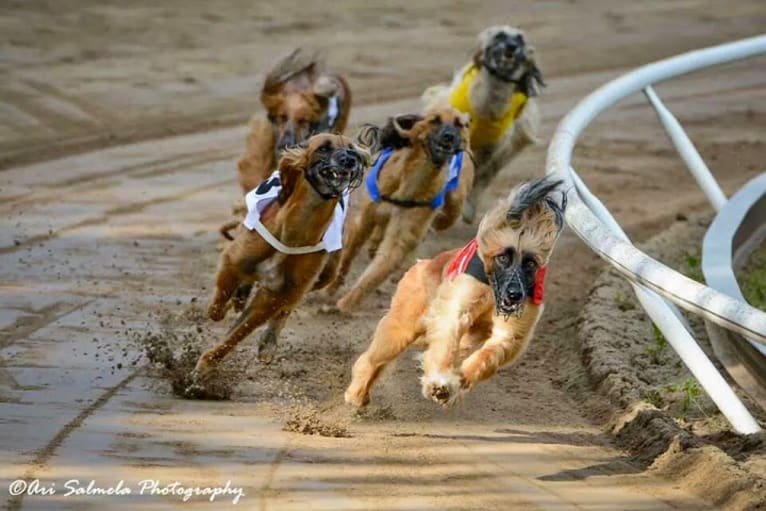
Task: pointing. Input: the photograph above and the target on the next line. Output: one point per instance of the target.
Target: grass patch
(658, 350)
(752, 279)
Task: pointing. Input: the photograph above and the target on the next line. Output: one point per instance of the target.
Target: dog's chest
(270, 272)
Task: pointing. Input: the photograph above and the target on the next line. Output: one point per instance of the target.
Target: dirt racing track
(106, 249)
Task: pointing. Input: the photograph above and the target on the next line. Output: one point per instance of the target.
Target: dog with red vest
(472, 309)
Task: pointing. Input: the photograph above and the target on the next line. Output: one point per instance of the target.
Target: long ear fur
(536, 193)
(531, 82)
(291, 166)
(368, 141)
(292, 64)
(393, 134)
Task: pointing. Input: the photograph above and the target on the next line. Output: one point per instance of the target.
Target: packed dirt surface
(634, 365)
(105, 252)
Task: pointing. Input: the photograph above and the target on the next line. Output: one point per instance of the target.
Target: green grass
(660, 347)
(752, 279)
(694, 267)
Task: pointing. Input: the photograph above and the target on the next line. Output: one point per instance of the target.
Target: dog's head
(516, 239)
(296, 111)
(296, 94)
(503, 51)
(441, 132)
(329, 163)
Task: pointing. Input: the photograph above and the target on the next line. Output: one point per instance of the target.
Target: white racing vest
(258, 199)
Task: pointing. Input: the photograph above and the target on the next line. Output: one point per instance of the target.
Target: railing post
(688, 152)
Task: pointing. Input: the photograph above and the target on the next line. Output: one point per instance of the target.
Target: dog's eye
(324, 148)
(503, 259)
(530, 262)
(436, 120)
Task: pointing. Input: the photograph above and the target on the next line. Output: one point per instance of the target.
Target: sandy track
(101, 247)
(120, 235)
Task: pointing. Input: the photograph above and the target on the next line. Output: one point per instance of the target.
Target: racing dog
(294, 230)
(421, 178)
(497, 89)
(301, 99)
(473, 309)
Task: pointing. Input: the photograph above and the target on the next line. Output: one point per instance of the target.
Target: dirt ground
(105, 248)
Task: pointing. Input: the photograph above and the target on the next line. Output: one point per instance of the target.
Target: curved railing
(734, 233)
(657, 286)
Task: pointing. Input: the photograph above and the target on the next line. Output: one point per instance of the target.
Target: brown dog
(287, 253)
(421, 179)
(475, 309)
(301, 99)
(497, 89)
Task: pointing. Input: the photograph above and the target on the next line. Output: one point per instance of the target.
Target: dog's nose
(514, 296)
(347, 161)
(449, 137)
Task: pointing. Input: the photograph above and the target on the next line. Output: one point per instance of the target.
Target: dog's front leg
(395, 332)
(267, 341)
(505, 345)
(450, 315)
(226, 281)
(402, 236)
(329, 271)
(455, 200)
(261, 308)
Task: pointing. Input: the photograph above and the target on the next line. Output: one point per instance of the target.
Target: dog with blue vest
(497, 88)
(290, 241)
(472, 309)
(420, 180)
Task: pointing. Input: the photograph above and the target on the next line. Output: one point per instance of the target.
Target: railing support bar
(688, 152)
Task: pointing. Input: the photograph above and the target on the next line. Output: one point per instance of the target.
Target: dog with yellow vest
(497, 88)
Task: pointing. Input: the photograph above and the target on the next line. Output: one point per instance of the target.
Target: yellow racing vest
(484, 131)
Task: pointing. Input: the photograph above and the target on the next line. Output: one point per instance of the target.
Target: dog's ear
(324, 88)
(395, 133)
(531, 82)
(294, 160)
(535, 197)
(368, 141)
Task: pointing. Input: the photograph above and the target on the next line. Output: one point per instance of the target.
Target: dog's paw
(215, 312)
(266, 346)
(346, 304)
(444, 388)
(357, 399)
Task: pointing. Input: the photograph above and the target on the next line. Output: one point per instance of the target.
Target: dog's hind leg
(403, 234)
(396, 331)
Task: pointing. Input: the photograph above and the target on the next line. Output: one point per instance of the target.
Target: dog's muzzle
(332, 176)
(510, 292)
(504, 56)
(443, 144)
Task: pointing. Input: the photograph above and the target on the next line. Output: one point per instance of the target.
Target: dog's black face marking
(508, 58)
(442, 142)
(505, 55)
(333, 170)
(512, 278)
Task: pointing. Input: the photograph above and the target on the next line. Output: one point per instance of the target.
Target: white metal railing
(658, 287)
